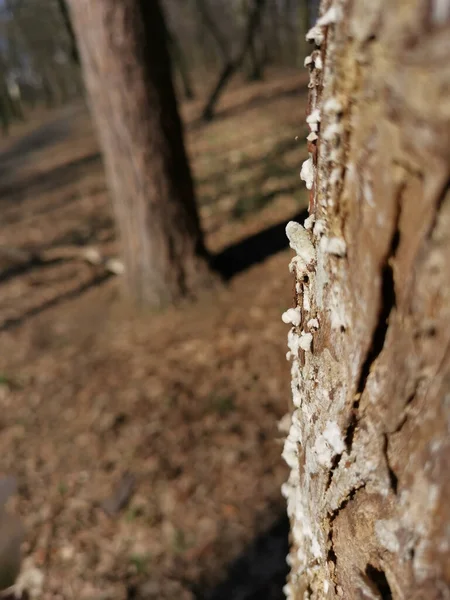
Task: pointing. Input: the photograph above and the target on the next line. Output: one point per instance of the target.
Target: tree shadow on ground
(45, 135)
(15, 192)
(254, 249)
(260, 571)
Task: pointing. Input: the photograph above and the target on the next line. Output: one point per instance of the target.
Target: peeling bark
(369, 441)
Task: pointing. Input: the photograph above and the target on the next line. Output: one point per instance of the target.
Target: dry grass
(187, 401)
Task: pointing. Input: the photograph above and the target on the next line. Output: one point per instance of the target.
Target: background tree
(369, 444)
(127, 71)
(208, 43)
(234, 64)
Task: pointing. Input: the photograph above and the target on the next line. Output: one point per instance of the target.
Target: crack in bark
(331, 555)
(380, 581)
(388, 302)
(439, 205)
(393, 479)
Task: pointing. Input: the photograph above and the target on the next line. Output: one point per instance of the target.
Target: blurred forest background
(145, 443)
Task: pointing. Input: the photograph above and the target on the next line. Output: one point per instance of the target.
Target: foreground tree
(127, 71)
(369, 443)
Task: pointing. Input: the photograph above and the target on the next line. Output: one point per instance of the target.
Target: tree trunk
(127, 71)
(304, 14)
(208, 21)
(180, 64)
(62, 5)
(369, 446)
(231, 67)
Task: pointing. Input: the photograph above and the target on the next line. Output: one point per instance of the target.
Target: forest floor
(146, 447)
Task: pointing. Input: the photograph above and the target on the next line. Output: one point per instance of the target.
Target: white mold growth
(329, 443)
(300, 269)
(319, 228)
(313, 120)
(335, 176)
(333, 15)
(333, 106)
(332, 132)
(315, 59)
(292, 316)
(335, 246)
(305, 341)
(306, 300)
(386, 532)
(313, 324)
(316, 34)
(309, 222)
(339, 320)
(307, 173)
(300, 241)
(284, 424)
(290, 450)
(312, 137)
(293, 342)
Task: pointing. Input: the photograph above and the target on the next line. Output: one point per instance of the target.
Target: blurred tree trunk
(127, 71)
(179, 61)
(233, 65)
(255, 62)
(304, 10)
(209, 23)
(369, 443)
(74, 55)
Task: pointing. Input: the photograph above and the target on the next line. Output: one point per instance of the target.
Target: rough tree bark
(127, 71)
(369, 445)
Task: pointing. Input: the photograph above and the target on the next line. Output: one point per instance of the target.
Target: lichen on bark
(368, 443)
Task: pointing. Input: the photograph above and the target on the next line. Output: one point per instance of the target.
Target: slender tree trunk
(180, 63)
(126, 64)
(231, 67)
(214, 30)
(62, 4)
(304, 13)
(369, 445)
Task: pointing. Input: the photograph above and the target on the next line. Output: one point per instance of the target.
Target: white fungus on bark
(333, 106)
(307, 173)
(333, 15)
(319, 228)
(329, 443)
(305, 341)
(309, 222)
(335, 246)
(313, 324)
(292, 316)
(316, 34)
(300, 241)
(332, 132)
(386, 532)
(313, 120)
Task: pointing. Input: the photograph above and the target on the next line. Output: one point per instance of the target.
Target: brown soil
(185, 402)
